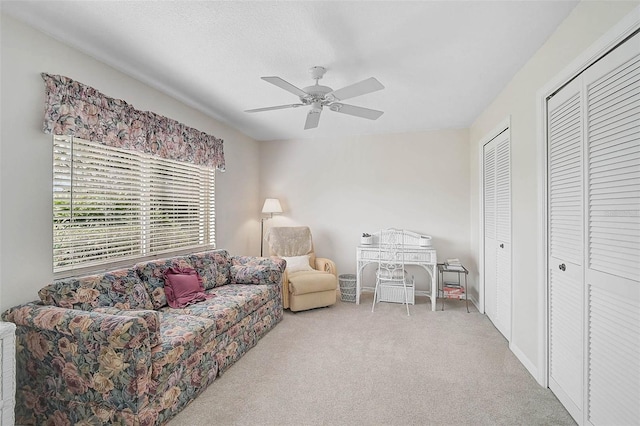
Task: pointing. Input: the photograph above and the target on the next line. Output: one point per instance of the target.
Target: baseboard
(526, 362)
(475, 303)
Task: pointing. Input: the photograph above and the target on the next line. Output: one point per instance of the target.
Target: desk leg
(358, 282)
(466, 295)
(434, 288)
(441, 285)
(431, 269)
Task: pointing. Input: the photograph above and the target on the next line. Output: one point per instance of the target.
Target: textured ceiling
(441, 62)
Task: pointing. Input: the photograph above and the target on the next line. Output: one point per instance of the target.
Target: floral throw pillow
(183, 286)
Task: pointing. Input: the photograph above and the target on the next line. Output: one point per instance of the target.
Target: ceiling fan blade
(371, 114)
(362, 88)
(274, 107)
(313, 118)
(286, 86)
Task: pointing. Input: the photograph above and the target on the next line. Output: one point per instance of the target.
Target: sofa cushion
(152, 275)
(187, 342)
(213, 266)
(230, 304)
(183, 287)
(304, 282)
(121, 289)
(151, 317)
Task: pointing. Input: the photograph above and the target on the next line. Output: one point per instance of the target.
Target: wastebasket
(347, 287)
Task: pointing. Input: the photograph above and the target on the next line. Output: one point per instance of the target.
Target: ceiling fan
(318, 97)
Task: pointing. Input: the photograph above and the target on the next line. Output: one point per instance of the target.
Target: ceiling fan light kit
(318, 97)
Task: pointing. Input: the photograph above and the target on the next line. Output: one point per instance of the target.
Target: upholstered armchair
(309, 281)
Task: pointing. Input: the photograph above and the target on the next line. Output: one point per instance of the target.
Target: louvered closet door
(497, 232)
(566, 207)
(612, 91)
(503, 234)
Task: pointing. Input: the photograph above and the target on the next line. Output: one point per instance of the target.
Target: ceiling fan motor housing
(315, 93)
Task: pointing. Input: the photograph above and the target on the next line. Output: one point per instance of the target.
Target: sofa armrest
(257, 270)
(98, 359)
(151, 317)
(327, 265)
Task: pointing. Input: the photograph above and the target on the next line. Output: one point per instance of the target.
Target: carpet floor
(345, 365)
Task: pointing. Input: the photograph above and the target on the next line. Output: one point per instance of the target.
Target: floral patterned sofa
(107, 348)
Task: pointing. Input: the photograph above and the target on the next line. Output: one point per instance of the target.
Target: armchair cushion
(313, 281)
(297, 263)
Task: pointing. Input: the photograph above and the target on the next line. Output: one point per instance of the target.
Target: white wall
(588, 22)
(26, 159)
(343, 187)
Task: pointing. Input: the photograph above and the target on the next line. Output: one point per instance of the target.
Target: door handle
(501, 245)
(562, 267)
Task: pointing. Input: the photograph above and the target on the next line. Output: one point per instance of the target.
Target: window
(111, 205)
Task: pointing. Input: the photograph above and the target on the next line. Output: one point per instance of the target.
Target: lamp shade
(271, 205)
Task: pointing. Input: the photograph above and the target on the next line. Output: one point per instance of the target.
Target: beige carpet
(345, 365)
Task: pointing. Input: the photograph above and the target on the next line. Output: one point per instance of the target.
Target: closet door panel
(503, 234)
(612, 88)
(614, 350)
(503, 189)
(566, 247)
(490, 277)
(566, 339)
(490, 191)
(503, 289)
(613, 99)
(490, 241)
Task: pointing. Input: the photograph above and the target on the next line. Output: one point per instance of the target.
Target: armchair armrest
(102, 361)
(327, 265)
(285, 290)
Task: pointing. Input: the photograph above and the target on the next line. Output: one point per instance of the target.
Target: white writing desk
(414, 254)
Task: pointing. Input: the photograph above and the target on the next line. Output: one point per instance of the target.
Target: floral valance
(75, 109)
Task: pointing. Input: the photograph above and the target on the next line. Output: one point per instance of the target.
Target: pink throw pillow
(183, 286)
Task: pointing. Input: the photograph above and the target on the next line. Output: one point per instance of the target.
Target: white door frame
(501, 127)
(616, 35)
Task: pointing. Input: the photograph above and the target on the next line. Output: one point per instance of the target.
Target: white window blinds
(112, 205)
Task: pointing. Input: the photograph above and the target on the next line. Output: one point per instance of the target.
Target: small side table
(442, 269)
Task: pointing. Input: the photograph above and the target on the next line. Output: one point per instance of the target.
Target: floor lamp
(271, 206)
